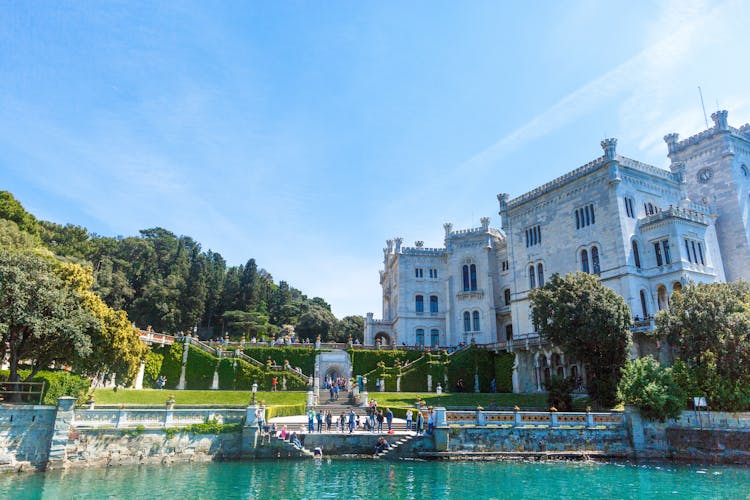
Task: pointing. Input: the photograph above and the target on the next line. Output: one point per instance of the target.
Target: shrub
(302, 357)
(152, 370)
(651, 388)
(504, 362)
(199, 373)
(559, 392)
(57, 383)
(171, 365)
(705, 380)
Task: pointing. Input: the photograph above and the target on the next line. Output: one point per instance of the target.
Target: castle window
(744, 170)
(650, 208)
(467, 321)
(700, 253)
(433, 273)
(507, 296)
(629, 210)
(540, 274)
(433, 303)
(420, 303)
(595, 260)
(508, 333)
(667, 255)
(473, 273)
(584, 261)
(644, 309)
(532, 283)
(418, 272)
(420, 337)
(585, 216)
(636, 255)
(434, 337)
(475, 317)
(662, 298)
(694, 251)
(533, 236)
(466, 278)
(657, 251)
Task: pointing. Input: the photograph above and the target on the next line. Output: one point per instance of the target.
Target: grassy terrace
(384, 399)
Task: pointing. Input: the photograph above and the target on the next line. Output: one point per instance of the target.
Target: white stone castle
(644, 230)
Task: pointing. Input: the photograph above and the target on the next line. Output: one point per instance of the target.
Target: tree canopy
(590, 323)
(709, 326)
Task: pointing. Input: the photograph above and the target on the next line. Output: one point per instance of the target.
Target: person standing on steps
(420, 422)
(352, 416)
(430, 422)
(380, 418)
(408, 419)
(310, 421)
(319, 418)
(329, 420)
(389, 418)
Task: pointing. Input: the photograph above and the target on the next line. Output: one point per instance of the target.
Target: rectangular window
(419, 304)
(585, 216)
(700, 253)
(533, 236)
(420, 337)
(695, 255)
(434, 338)
(667, 255)
(657, 250)
(418, 272)
(433, 303)
(687, 250)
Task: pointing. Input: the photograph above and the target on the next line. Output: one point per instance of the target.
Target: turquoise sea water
(372, 479)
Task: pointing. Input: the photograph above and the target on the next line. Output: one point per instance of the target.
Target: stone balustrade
(535, 419)
(124, 418)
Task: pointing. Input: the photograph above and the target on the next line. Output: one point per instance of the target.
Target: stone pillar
(635, 430)
(185, 350)
(481, 420)
(441, 417)
(364, 398)
(552, 419)
(398, 383)
(63, 422)
(138, 384)
(429, 383)
(514, 376)
(310, 402)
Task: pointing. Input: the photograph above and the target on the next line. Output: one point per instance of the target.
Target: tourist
(274, 383)
(493, 385)
(295, 441)
(371, 416)
(342, 421)
(420, 422)
(408, 419)
(329, 420)
(352, 416)
(283, 432)
(260, 417)
(380, 417)
(381, 445)
(331, 393)
(310, 421)
(336, 392)
(389, 419)
(430, 422)
(319, 418)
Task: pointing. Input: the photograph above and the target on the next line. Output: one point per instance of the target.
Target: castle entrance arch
(332, 364)
(383, 337)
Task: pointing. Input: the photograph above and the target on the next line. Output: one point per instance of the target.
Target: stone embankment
(48, 437)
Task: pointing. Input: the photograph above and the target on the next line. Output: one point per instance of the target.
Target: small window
(584, 261)
(636, 255)
(667, 254)
(475, 317)
(644, 309)
(420, 303)
(467, 321)
(595, 260)
(507, 296)
(434, 337)
(532, 281)
(657, 251)
(629, 210)
(744, 170)
(466, 278)
(700, 253)
(419, 272)
(420, 337)
(585, 216)
(533, 236)
(473, 272)
(540, 274)
(433, 303)
(508, 333)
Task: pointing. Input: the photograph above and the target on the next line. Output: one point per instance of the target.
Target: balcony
(470, 294)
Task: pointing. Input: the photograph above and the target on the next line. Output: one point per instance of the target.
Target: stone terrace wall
(25, 435)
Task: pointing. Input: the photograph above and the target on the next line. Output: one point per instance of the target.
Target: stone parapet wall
(25, 436)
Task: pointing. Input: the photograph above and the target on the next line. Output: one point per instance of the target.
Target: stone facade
(645, 231)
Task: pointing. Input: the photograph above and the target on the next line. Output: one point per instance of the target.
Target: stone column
(441, 418)
(138, 384)
(185, 350)
(63, 423)
(635, 430)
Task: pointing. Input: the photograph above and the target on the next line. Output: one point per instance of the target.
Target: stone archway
(383, 337)
(330, 362)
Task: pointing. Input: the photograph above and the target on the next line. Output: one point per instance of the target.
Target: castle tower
(716, 168)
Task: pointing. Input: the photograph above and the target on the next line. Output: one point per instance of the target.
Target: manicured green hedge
(199, 373)
(57, 383)
(303, 357)
(152, 371)
(171, 364)
(364, 361)
(285, 411)
(504, 362)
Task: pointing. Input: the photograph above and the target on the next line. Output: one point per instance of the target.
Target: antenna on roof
(703, 106)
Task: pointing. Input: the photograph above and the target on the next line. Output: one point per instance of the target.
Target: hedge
(303, 357)
(171, 365)
(152, 370)
(199, 373)
(285, 411)
(504, 362)
(364, 361)
(57, 383)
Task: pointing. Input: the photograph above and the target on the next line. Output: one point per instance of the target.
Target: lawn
(157, 397)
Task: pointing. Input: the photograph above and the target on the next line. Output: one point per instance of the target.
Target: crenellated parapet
(423, 251)
(721, 125)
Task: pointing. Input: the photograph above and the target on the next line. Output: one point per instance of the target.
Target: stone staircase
(392, 450)
(289, 448)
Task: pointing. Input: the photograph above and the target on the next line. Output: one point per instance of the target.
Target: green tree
(351, 326)
(709, 325)
(316, 320)
(651, 388)
(590, 323)
(11, 209)
(42, 318)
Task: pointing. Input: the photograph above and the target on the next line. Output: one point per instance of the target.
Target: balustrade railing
(535, 418)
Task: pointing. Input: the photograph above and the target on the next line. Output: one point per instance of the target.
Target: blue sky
(305, 134)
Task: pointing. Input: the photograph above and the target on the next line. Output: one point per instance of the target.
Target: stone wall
(25, 435)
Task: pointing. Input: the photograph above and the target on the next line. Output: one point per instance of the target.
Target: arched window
(540, 274)
(420, 303)
(532, 282)
(584, 261)
(644, 308)
(433, 303)
(595, 260)
(508, 332)
(473, 271)
(466, 278)
(636, 255)
(475, 317)
(467, 321)
(434, 337)
(744, 170)
(420, 337)
(676, 287)
(661, 294)
(507, 296)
